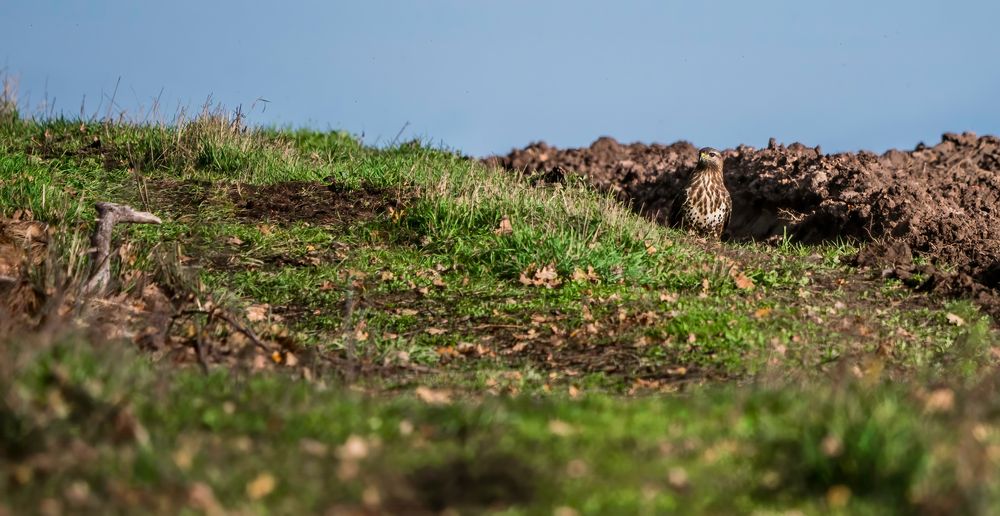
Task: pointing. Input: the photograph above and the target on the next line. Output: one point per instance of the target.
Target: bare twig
(111, 104)
(350, 339)
(199, 348)
(109, 214)
(228, 319)
(486, 326)
(400, 133)
(245, 330)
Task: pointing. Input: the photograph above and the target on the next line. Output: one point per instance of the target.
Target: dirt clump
(22, 242)
(22, 247)
(941, 201)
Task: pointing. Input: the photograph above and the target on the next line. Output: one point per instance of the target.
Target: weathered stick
(350, 337)
(227, 318)
(109, 214)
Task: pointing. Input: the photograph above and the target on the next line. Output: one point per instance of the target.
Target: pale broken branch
(108, 215)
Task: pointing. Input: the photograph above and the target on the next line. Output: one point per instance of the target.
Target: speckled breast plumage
(707, 206)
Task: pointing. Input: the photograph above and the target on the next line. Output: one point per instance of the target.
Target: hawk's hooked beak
(703, 156)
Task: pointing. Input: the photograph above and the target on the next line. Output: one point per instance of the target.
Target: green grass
(581, 357)
(137, 436)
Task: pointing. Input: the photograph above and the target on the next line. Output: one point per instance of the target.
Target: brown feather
(707, 204)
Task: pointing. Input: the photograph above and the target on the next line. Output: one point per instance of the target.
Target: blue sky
(484, 76)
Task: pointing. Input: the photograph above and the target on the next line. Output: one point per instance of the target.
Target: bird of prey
(705, 205)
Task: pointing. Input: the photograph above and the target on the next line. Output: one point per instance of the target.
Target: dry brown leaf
(546, 276)
(505, 227)
(447, 352)
(547, 273)
(532, 334)
(582, 276)
(704, 288)
(371, 498)
(435, 331)
(354, 449)
(313, 447)
(257, 313)
(778, 347)
(432, 396)
(469, 348)
(743, 282)
(677, 477)
(355, 274)
(669, 297)
(360, 331)
(261, 486)
(954, 319)
(648, 318)
(761, 313)
(561, 428)
(184, 455)
(838, 496)
(201, 497)
(940, 400)
(832, 446)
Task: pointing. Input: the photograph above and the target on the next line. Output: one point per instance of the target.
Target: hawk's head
(709, 157)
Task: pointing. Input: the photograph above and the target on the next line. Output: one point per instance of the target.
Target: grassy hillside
(319, 325)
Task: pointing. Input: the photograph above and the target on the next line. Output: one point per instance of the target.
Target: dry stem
(109, 214)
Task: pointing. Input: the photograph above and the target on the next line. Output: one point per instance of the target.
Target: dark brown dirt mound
(311, 202)
(943, 201)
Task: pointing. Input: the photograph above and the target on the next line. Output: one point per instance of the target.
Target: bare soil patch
(941, 202)
(180, 196)
(313, 202)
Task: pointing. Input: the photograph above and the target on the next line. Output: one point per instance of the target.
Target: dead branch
(217, 313)
(109, 214)
(245, 330)
(350, 338)
(199, 348)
